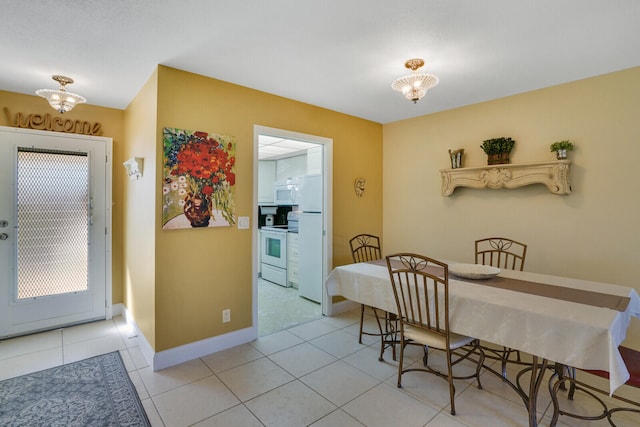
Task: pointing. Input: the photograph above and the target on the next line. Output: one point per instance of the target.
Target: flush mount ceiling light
(415, 85)
(60, 99)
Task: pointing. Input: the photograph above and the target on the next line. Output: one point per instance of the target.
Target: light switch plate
(243, 222)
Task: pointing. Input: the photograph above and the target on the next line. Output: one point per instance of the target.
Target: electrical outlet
(226, 315)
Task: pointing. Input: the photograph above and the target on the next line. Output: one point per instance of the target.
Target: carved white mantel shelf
(554, 175)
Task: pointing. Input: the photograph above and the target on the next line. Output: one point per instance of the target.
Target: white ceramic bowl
(473, 271)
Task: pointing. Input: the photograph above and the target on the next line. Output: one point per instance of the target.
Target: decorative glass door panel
(52, 212)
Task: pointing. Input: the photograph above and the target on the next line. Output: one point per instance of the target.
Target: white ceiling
(337, 54)
(273, 148)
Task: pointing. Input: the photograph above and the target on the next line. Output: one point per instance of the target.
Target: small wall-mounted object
(360, 186)
(134, 167)
(456, 158)
(554, 175)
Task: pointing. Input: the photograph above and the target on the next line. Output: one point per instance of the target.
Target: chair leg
(381, 331)
(387, 330)
(391, 322)
(425, 357)
(361, 322)
(402, 345)
(452, 387)
(387, 333)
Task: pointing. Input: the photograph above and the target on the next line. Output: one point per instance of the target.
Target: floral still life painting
(198, 179)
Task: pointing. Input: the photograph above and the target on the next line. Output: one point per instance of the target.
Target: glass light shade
(61, 100)
(415, 85)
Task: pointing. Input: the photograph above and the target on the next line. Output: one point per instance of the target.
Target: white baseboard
(117, 309)
(145, 347)
(343, 306)
(194, 350)
(187, 352)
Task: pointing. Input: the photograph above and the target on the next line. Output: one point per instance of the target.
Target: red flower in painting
(207, 164)
(204, 158)
(231, 178)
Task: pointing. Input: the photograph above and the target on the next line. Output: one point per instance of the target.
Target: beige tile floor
(282, 308)
(314, 374)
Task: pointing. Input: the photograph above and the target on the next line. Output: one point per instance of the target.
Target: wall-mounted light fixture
(134, 167)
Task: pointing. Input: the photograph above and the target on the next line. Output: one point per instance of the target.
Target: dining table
(557, 320)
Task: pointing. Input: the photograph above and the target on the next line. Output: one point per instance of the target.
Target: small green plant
(498, 145)
(561, 145)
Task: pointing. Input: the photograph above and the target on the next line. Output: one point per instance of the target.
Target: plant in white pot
(561, 148)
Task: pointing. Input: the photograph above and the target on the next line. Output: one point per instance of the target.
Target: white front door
(54, 229)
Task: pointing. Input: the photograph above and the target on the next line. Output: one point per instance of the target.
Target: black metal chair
(507, 254)
(421, 290)
(501, 252)
(365, 248)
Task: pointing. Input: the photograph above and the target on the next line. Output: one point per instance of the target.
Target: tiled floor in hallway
(315, 374)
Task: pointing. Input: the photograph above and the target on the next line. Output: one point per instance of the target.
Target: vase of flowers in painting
(197, 210)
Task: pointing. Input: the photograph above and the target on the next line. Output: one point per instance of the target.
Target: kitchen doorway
(292, 228)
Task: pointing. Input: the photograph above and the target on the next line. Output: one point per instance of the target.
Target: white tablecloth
(574, 334)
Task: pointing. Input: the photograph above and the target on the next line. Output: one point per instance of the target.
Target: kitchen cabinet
(291, 167)
(266, 181)
(293, 276)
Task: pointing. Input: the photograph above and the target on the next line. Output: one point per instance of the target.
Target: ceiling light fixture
(60, 99)
(415, 85)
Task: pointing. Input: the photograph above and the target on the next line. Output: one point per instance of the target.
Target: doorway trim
(327, 173)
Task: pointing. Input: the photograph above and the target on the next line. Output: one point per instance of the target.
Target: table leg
(537, 375)
(528, 393)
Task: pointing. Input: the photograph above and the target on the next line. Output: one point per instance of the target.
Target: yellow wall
(200, 272)
(177, 282)
(592, 233)
(139, 211)
(112, 122)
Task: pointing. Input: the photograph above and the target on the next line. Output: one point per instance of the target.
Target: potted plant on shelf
(561, 148)
(497, 150)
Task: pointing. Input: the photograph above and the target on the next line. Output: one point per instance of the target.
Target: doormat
(91, 392)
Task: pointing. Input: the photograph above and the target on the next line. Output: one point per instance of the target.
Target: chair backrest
(421, 290)
(365, 247)
(500, 252)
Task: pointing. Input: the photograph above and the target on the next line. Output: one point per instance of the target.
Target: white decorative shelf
(554, 175)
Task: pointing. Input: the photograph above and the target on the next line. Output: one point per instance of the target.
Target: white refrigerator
(310, 238)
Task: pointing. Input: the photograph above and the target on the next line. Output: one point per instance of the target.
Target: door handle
(4, 236)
